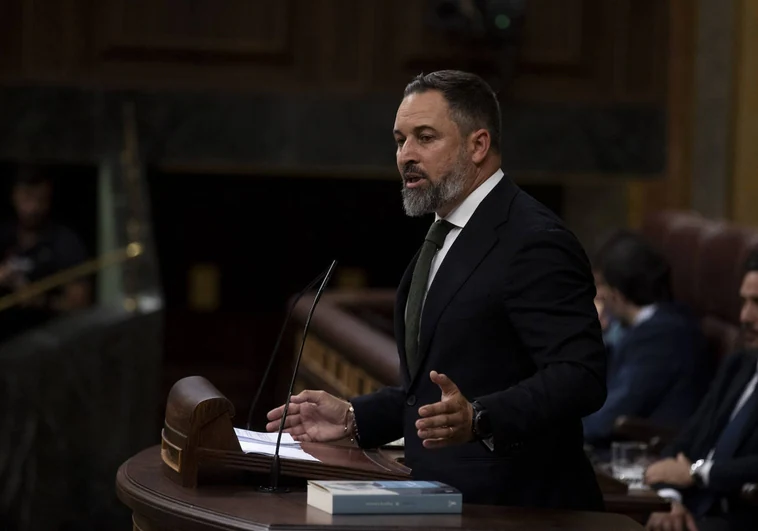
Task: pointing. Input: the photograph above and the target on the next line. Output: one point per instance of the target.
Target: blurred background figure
(33, 246)
(658, 368)
(613, 330)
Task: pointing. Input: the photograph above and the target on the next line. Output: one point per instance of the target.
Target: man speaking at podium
(500, 346)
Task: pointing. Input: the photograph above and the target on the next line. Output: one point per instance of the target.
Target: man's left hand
(448, 422)
(671, 472)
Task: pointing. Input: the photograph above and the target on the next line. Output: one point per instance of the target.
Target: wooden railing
(350, 348)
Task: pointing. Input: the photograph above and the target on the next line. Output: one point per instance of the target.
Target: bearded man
(500, 346)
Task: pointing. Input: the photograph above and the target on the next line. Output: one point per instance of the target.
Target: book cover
(384, 497)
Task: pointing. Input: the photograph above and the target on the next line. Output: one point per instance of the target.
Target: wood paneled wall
(673, 190)
(572, 50)
(744, 189)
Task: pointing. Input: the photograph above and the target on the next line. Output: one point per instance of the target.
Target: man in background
(33, 247)
(716, 455)
(613, 331)
(658, 370)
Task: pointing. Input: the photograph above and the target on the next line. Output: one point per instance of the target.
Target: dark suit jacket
(510, 319)
(658, 370)
(699, 436)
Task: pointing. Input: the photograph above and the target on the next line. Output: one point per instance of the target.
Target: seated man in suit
(716, 454)
(658, 369)
(499, 344)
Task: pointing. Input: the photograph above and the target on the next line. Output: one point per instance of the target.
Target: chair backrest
(706, 258)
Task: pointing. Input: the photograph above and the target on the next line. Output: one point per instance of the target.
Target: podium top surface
(141, 485)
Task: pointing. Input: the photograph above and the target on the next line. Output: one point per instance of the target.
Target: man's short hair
(751, 264)
(638, 271)
(607, 241)
(473, 104)
(31, 175)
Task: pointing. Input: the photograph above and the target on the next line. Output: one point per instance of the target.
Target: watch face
(483, 424)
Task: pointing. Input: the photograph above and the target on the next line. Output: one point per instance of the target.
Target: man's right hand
(678, 519)
(313, 416)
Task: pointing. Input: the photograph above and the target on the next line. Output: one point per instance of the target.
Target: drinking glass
(628, 463)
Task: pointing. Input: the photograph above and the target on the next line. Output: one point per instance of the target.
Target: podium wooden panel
(159, 504)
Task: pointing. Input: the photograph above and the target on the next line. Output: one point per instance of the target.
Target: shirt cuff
(705, 472)
(489, 442)
(671, 495)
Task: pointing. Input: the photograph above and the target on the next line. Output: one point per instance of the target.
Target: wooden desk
(160, 505)
(637, 504)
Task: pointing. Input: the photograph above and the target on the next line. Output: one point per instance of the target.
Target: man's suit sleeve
(379, 416)
(705, 414)
(729, 476)
(640, 383)
(549, 298)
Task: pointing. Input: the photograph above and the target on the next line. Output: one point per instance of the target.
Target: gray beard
(430, 198)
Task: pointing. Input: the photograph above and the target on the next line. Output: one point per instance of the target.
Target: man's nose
(407, 153)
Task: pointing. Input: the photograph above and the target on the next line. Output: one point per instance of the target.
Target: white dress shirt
(645, 313)
(459, 217)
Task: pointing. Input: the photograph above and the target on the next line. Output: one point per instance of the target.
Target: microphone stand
(276, 463)
(276, 346)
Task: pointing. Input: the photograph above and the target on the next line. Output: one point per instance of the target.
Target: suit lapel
(461, 260)
(735, 388)
(401, 299)
(474, 242)
(748, 372)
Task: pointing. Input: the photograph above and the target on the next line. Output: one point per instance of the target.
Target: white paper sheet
(254, 442)
(265, 437)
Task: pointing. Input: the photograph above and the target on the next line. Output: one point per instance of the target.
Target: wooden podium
(199, 479)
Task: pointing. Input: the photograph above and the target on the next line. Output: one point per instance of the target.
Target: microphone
(271, 359)
(275, 463)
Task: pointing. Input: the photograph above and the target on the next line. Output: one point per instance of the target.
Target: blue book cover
(384, 497)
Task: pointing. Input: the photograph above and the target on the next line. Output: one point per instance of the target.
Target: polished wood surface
(159, 504)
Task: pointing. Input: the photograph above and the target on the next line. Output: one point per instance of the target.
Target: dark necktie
(725, 447)
(435, 238)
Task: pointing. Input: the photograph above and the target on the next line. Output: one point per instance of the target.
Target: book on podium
(198, 436)
(384, 497)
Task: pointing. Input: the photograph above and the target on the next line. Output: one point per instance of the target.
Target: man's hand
(448, 422)
(678, 519)
(670, 471)
(313, 416)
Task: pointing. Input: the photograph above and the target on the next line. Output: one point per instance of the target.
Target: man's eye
(400, 141)
(426, 138)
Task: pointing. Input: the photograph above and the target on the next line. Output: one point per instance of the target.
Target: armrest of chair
(637, 429)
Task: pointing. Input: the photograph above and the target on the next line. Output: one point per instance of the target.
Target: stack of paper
(255, 442)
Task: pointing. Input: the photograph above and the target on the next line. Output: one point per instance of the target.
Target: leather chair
(706, 258)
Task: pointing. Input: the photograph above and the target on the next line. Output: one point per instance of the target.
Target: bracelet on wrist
(351, 428)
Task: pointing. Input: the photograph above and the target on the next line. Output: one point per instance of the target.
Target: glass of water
(628, 463)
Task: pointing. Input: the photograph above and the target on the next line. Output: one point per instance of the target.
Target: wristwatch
(480, 424)
(695, 472)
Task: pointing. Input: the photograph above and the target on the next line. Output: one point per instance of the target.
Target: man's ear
(479, 145)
